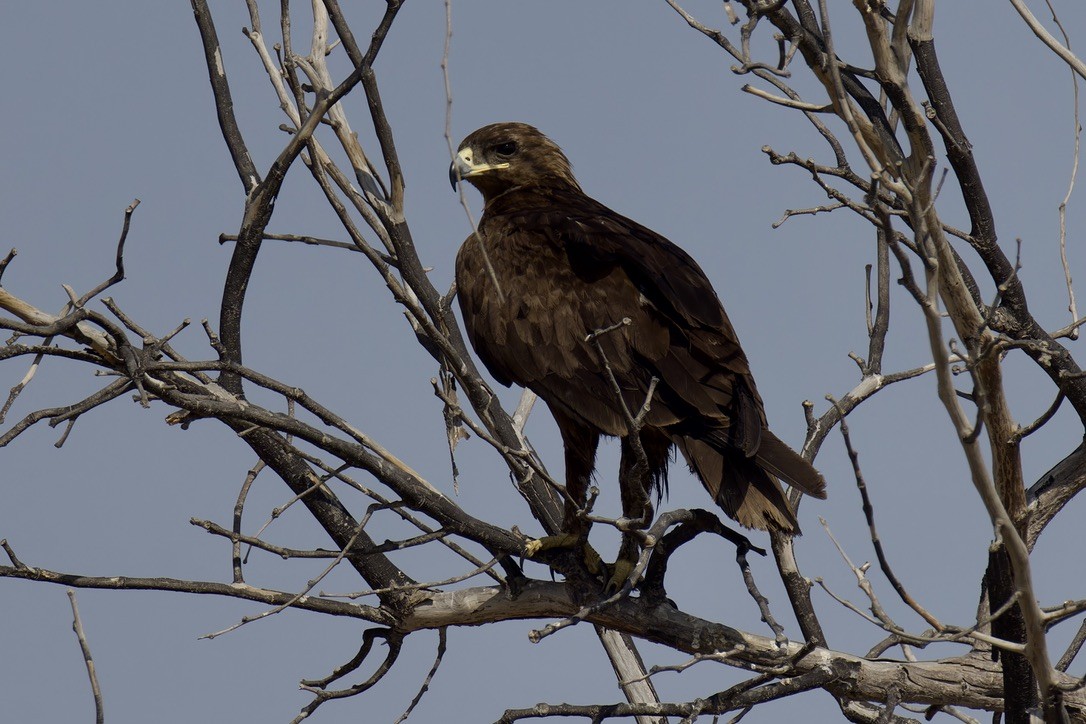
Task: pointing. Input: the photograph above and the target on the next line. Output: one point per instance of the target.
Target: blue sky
(109, 102)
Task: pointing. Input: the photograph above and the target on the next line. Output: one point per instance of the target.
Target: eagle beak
(457, 171)
(464, 166)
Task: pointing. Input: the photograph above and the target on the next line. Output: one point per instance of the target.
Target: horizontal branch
(210, 588)
(415, 491)
(44, 324)
(971, 681)
(741, 696)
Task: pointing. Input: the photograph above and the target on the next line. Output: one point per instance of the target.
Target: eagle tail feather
(775, 457)
(739, 485)
(782, 461)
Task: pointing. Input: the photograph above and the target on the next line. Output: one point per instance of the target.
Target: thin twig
(239, 509)
(719, 657)
(418, 586)
(19, 565)
(441, 640)
(876, 541)
(308, 241)
(216, 529)
(787, 102)
(395, 643)
(309, 584)
(763, 603)
(1071, 306)
(824, 209)
(21, 385)
(1073, 648)
(77, 626)
(338, 474)
(7, 260)
(1037, 424)
(119, 274)
(1065, 54)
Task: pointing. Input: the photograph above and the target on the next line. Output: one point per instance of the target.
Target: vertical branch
(630, 670)
(77, 626)
(369, 81)
(1017, 322)
(376, 569)
(908, 187)
(842, 103)
(259, 206)
(1072, 307)
(1036, 647)
(546, 504)
(224, 102)
(798, 587)
(881, 324)
(452, 151)
(1004, 492)
(239, 509)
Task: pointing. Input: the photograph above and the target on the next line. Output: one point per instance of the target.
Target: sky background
(108, 102)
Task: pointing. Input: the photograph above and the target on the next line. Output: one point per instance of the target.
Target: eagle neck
(496, 198)
(520, 198)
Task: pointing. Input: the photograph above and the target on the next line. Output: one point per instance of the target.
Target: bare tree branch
(77, 626)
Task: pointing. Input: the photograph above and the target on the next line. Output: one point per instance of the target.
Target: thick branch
(970, 681)
(224, 102)
(1016, 320)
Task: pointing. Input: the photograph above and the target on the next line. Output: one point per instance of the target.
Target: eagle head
(503, 156)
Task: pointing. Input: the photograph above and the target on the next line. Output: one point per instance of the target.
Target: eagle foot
(624, 566)
(620, 574)
(550, 542)
(592, 560)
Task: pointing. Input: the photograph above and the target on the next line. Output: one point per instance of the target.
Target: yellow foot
(620, 573)
(592, 560)
(550, 542)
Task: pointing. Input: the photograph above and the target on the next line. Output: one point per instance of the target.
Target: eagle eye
(506, 149)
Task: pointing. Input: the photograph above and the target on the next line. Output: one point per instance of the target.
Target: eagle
(564, 296)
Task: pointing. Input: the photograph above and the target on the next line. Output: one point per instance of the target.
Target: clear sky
(107, 102)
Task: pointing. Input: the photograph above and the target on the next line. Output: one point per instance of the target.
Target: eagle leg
(580, 443)
(643, 463)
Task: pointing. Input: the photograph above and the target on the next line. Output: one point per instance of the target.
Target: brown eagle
(548, 267)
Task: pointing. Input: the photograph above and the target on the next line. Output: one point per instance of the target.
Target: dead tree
(894, 144)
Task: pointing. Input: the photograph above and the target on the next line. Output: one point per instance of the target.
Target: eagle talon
(624, 566)
(620, 574)
(532, 547)
(550, 542)
(592, 560)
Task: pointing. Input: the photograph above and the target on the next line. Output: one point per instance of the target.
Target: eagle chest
(536, 326)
